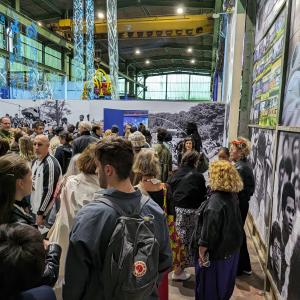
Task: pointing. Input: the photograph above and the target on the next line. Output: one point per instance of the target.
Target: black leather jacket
(52, 265)
(245, 170)
(80, 143)
(219, 225)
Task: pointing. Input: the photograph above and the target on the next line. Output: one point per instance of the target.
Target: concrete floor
(247, 287)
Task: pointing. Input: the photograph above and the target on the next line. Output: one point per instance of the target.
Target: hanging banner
(267, 75)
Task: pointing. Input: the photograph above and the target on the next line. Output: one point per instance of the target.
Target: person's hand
(46, 244)
(202, 251)
(39, 220)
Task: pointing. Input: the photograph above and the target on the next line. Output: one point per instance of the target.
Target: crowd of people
(101, 216)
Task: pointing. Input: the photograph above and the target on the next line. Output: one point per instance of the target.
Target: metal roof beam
(186, 3)
(175, 58)
(50, 4)
(151, 47)
(151, 27)
(160, 71)
(44, 32)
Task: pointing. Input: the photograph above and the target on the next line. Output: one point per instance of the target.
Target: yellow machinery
(152, 27)
(102, 85)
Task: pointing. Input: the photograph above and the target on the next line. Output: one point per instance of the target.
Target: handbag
(178, 249)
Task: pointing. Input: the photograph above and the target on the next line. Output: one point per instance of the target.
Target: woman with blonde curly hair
(239, 151)
(219, 234)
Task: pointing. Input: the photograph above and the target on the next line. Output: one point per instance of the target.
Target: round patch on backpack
(139, 269)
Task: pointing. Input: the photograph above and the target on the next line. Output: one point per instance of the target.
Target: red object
(163, 289)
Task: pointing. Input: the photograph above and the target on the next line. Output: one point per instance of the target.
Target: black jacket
(245, 170)
(53, 254)
(63, 154)
(188, 188)
(219, 225)
(82, 142)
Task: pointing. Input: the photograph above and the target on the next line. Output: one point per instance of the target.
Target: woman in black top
(15, 184)
(64, 152)
(188, 192)
(239, 151)
(218, 235)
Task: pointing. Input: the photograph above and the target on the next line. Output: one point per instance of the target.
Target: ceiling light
(189, 50)
(147, 62)
(101, 15)
(40, 23)
(180, 10)
(137, 51)
(192, 61)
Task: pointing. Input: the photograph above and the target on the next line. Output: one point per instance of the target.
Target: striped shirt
(45, 176)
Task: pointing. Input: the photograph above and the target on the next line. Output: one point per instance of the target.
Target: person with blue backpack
(119, 244)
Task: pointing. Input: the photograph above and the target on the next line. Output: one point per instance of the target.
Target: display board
(284, 244)
(268, 60)
(291, 104)
(261, 158)
(266, 14)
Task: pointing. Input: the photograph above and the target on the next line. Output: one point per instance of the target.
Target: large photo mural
(284, 240)
(261, 158)
(171, 115)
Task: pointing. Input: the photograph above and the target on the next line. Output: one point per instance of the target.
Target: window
(178, 87)
(31, 49)
(156, 87)
(53, 58)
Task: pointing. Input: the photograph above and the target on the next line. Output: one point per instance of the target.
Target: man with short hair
(46, 173)
(80, 143)
(81, 118)
(95, 223)
(38, 128)
(5, 129)
(288, 207)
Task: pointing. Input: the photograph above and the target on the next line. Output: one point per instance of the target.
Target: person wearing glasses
(239, 152)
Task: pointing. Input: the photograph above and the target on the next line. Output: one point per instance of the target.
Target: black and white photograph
(207, 118)
(284, 242)
(261, 158)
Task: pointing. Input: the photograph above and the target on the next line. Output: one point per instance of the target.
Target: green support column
(131, 84)
(144, 90)
(218, 9)
(17, 5)
(245, 104)
(189, 96)
(166, 95)
(136, 85)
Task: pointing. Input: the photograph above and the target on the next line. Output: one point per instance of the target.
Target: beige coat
(77, 191)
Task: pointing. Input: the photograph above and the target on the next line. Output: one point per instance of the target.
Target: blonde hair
(146, 163)
(86, 161)
(243, 146)
(223, 176)
(26, 148)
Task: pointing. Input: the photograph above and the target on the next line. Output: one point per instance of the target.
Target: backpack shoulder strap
(144, 200)
(113, 205)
